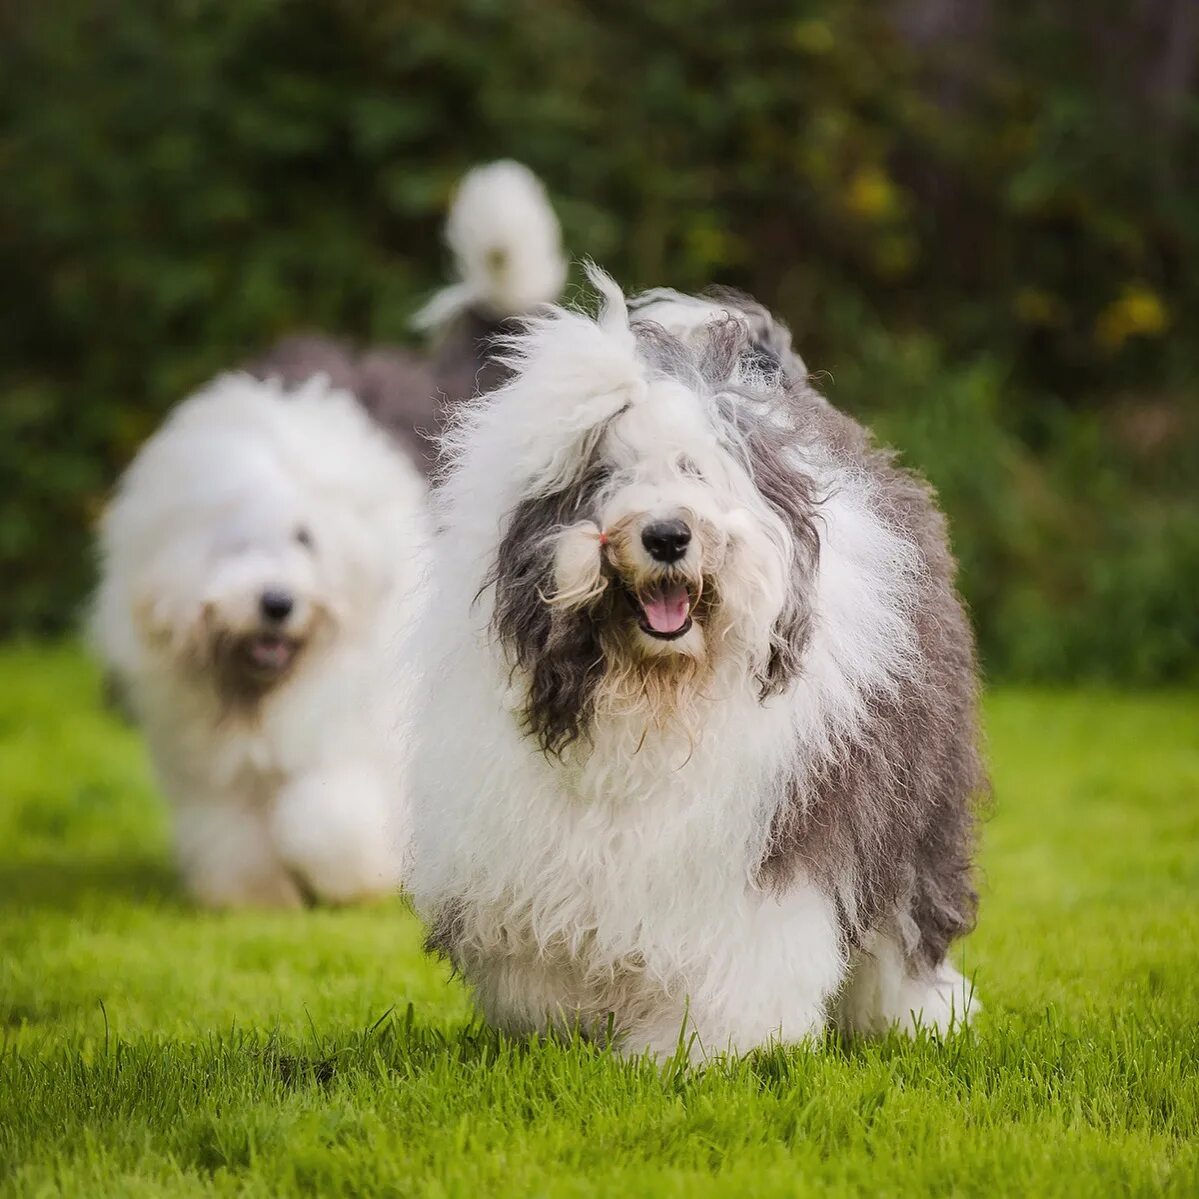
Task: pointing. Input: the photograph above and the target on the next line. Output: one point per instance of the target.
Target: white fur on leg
(525, 993)
(883, 993)
(227, 858)
(768, 976)
(771, 982)
(332, 829)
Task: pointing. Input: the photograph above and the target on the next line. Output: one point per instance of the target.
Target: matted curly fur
(260, 560)
(711, 695)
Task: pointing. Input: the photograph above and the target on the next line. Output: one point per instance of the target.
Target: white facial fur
(662, 460)
(248, 498)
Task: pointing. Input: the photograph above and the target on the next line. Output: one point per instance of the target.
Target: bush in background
(978, 217)
(1078, 562)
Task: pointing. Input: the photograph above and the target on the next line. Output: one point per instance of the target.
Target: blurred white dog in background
(260, 562)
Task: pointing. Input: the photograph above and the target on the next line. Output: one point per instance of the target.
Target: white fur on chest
(615, 839)
(619, 852)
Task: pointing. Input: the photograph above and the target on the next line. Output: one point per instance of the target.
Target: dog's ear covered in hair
(557, 644)
(792, 498)
(768, 349)
(766, 436)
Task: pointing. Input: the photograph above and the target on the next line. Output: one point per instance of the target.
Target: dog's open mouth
(664, 611)
(269, 653)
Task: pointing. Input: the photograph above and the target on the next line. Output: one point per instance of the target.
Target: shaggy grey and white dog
(701, 752)
(508, 262)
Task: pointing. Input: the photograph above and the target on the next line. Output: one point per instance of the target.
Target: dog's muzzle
(664, 610)
(268, 654)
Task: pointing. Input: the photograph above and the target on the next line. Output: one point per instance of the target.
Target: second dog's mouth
(664, 611)
(269, 653)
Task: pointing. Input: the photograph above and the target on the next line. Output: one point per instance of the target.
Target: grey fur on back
(409, 394)
(895, 811)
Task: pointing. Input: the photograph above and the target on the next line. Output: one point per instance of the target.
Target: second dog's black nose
(276, 605)
(666, 540)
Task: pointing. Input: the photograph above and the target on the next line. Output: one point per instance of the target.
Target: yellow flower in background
(1138, 312)
(1035, 306)
(813, 37)
(871, 196)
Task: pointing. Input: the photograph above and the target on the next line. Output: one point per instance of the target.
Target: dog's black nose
(276, 606)
(666, 540)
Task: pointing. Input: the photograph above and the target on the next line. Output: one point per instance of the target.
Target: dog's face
(677, 536)
(242, 592)
(264, 601)
(661, 545)
(258, 529)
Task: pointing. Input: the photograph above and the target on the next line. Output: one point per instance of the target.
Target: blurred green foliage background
(980, 218)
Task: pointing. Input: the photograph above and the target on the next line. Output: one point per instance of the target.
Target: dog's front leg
(333, 828)
(226, 855)
(773, 970)
(887, 990)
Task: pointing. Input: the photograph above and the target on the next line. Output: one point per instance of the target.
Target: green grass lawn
(150, 1048)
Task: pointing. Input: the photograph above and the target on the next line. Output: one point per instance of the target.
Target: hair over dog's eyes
(687, 467)
(304, 537)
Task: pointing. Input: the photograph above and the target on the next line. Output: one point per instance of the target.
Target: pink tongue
(269, 651)
(666, 609)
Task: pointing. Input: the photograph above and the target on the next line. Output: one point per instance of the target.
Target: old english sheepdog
(508, 260)
(260, 560)
(698, 755)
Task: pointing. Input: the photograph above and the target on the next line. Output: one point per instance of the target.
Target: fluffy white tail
(507, 246)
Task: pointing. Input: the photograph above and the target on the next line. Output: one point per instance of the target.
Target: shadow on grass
(76, 884)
